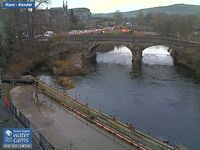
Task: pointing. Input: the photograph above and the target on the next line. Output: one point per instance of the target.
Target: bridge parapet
(153, 39)
(136, 43)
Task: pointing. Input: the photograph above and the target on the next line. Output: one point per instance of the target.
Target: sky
(105, 6)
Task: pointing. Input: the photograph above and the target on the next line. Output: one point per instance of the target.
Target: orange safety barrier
(6, 101)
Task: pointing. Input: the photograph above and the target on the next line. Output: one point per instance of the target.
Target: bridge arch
(157, 54)
(136, 52)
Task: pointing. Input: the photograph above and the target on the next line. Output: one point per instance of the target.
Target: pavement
(7, 121)
(64, 129)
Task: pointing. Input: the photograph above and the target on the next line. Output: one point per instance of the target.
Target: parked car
(48, 33)
(24, 35)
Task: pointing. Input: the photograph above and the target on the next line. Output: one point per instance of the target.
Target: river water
(161, 99)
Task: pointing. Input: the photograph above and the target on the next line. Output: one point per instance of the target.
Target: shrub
(66, 68)
(65, 81)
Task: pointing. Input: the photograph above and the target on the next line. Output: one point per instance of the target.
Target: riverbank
(36, 56)
(189, 58)
(24, 59)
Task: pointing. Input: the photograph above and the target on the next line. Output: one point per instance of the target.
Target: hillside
(172, 9)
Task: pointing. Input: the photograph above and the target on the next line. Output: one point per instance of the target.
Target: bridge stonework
(87, 44)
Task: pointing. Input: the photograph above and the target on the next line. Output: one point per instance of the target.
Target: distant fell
(182, 9)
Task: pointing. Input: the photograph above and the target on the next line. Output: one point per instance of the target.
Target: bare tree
(33, 15)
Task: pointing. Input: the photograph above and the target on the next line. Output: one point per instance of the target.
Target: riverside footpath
(9, 121)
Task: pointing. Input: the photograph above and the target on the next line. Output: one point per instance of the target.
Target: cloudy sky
(104, 6)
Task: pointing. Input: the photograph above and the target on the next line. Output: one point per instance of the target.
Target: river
(161, 99)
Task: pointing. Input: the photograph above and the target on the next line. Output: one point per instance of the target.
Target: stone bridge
(87, 44)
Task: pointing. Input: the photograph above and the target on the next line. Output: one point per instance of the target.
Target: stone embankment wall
(189, 58)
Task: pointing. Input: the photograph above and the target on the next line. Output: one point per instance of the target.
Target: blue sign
(18, 5)
(17, 138)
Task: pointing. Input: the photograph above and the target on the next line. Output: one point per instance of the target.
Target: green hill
(183, 9)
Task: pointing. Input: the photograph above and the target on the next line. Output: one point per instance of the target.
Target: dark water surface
(161, 100)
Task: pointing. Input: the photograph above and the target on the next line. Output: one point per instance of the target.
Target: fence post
(1, 80)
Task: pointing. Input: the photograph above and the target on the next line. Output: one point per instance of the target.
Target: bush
(65, 81)
(66, 68)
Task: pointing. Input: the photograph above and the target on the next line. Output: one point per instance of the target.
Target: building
(82, 14)
(59, 19)
(54, 19)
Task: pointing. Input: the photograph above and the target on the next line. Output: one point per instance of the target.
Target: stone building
(83, 14)
(55, 19)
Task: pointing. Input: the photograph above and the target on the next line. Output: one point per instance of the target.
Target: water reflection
(120, 55)
(123, 56)
(157, 55)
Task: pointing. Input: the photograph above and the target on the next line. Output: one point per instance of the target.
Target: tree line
(181, 25)
(168, 23)
(7, 32)
(12, 21)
